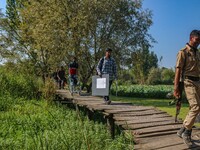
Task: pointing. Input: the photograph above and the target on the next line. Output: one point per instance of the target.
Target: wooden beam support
(111, 125)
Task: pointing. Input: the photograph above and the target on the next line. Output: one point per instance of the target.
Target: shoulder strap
(101, 63)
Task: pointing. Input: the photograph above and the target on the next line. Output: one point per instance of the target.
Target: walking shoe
(180, 132)
(187, 137)
(108, 102)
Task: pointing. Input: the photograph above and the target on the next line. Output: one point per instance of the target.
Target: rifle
(177, 101)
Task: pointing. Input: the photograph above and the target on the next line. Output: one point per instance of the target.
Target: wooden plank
(91, 103)
(195, 135)
(140, 113)
(105, 106)
(92, 98)
(87, 98)
(167, 142)
(156, 129)
(141, 117)
(110, 108)
(64, 94)
(150, 124)
(144, 121)
(195, 146)
(155, 134)
(127, 110)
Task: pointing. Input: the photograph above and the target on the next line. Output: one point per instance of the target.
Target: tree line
(40, 35)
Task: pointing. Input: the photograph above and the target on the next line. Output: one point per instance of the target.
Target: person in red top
(73, 70)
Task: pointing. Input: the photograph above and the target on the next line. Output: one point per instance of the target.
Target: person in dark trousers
(55, 76)
(188, 70)
(107, 65)
(61, 77)
(73, 70)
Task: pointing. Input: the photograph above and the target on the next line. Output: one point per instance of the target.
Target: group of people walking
(106, 65)
(60, 76)
(187, 72)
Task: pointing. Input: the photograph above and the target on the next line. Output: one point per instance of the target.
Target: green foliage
(38, 125)
(142, 62)
(167, 76)
(125, 77)
(154, 76)
(142, 91)
(5, 102)
(18, 84)
(49, 89)
(45, 34)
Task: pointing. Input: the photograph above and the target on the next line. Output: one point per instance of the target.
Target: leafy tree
(167, 76)
(142, 61)
(154, 76)
(45, 34)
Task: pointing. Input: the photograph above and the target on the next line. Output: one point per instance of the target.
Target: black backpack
(101, 64)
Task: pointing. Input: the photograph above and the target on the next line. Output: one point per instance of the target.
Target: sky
(173, 20)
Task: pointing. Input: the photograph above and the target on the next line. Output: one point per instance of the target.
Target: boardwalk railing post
(111, 125)
(90, 114)
(77, 108)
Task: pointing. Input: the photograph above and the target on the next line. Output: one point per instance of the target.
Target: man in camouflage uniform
(188, 70)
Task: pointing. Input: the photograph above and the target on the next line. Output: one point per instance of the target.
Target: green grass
(31, 124)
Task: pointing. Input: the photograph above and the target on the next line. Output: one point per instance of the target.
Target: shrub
(143, 91)
(18, 84)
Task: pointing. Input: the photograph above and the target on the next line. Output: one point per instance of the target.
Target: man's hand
(100, 75)
(176, 93)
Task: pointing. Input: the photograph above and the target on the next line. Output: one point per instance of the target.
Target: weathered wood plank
(166, 142)
(64, 94)
(111, 108)
(150, 124)
(195, 134)
(87, 98)
(141, 117)
(139, 113)
(143, 121)
(150, 130)
(127, 110)
(155, 134)
(195, 146)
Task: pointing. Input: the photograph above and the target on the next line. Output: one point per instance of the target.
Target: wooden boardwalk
(151, 128)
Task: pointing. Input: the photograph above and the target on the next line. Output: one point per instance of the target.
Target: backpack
(101, 65)
(101, 62)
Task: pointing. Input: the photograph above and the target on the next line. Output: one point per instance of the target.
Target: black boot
(180, 132)
(190, 135)
(107, 100)
(187, 137)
